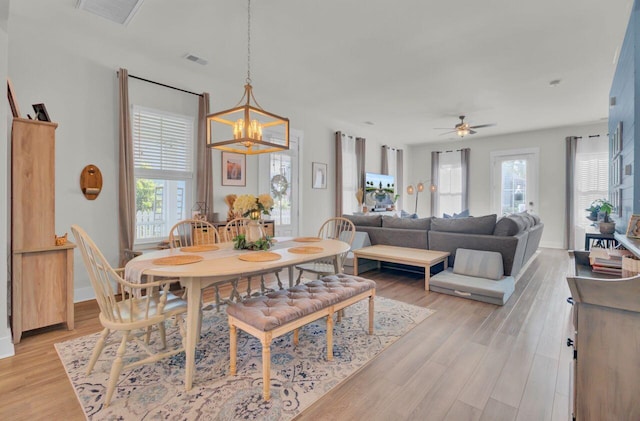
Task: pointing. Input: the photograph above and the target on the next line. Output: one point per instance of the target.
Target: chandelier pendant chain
(249, 42)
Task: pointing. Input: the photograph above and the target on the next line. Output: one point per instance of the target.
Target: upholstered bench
(477, 275)
(276, 313)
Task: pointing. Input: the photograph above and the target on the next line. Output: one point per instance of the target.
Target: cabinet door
(44, 289)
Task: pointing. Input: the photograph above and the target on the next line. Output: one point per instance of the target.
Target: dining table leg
(194, 294)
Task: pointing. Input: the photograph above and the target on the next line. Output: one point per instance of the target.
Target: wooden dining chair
(195, 232)
(236, 227)
(131, 309)
(337, 228)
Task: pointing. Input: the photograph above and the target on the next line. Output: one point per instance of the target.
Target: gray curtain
(360, 155)
(338, 209)
(435, 163)
(464, 164)
(399, 176)
(387, 156)
(126, 180)
(570, 223)
(204, 164)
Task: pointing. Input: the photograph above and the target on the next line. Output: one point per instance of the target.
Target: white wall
(551, 201)
(6, 345)
(78, 86)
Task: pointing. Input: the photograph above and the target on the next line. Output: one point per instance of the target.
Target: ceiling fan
(462, 129)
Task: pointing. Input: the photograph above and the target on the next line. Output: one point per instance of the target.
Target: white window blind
(449, 186)
(162, 141)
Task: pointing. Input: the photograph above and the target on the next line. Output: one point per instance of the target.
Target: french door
(514, 181)
(279, 176)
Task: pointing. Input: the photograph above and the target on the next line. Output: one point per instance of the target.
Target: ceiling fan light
(462, 132)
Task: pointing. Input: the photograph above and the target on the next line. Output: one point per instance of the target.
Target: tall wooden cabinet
(42, 273)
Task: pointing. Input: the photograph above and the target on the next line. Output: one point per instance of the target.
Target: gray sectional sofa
(516, 237)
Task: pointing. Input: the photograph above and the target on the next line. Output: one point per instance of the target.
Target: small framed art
(319, 175)
(633, 229)
(41, 112)
(234, 169)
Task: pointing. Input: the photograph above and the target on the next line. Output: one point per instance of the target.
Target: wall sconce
(419, 188)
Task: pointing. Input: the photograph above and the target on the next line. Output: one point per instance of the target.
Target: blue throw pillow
(404, 214)
(447, 216)
(463, 214)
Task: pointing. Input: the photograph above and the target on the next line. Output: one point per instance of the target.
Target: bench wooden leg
(330, 336)
(266, 366)
(296, 336)
(233, 349)
(371, 314)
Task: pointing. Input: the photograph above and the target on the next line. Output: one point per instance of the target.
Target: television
(379, 191)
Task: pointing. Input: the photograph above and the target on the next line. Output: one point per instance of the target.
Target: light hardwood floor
(468, 361)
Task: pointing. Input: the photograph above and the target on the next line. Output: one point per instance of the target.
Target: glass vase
(254, 231)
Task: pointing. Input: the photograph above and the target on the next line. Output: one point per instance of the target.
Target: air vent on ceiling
(196, 59)
(118, 11)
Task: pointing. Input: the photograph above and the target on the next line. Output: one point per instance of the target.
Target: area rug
(299, 375)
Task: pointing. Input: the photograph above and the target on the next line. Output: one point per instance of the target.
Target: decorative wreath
(279, 185)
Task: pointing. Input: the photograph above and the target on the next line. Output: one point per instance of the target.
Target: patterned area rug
(299, 376)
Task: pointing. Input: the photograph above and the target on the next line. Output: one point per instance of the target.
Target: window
(449, 186)
(163, 167)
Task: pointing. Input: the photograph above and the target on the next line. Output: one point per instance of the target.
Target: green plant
(240, 243)
(604, 206)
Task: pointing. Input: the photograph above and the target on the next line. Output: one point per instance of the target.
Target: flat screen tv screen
(379, 190)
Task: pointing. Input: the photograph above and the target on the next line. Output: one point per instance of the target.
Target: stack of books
(607, 261)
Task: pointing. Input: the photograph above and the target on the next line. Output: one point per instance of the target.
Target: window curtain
(435, 181)
(587, 179)
(570, 231)
(204, 164)
(464, 167)
(392, 164)
(126, 180)
(350, 154)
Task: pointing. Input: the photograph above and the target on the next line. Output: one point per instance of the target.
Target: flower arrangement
(253, 207)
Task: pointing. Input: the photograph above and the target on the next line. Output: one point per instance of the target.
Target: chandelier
(247, 128)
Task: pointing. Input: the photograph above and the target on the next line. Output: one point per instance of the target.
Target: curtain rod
(162, 84)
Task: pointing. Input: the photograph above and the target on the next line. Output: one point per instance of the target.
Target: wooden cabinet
(42, 273)
(606, 366)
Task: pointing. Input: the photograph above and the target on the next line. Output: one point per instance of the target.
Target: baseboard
(6, 347)
(83, 294)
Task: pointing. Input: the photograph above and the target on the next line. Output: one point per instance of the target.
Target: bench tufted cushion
(280, 307)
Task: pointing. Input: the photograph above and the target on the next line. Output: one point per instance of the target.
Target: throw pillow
(471, 225)
(478, 263)
(405, 214)
(446, 216)
(463, 214)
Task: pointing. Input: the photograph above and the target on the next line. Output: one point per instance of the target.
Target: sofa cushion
(471, 225)
(365, 220)
(478, 263)
(508, 226)
(406, 223)
(480, 289)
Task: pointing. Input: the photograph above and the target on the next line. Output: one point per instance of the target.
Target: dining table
(221, 265)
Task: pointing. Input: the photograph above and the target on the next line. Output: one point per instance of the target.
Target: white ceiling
(406, 65)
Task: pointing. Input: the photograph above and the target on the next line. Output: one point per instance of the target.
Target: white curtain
(591, 182)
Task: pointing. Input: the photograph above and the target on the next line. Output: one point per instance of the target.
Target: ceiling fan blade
(442, 134)
(472, 131)
(482, 125)
(442, 128)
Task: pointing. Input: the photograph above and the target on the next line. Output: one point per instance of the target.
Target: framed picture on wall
(633, 229)
(616, 201)
(234, 169)
(616, 171)
(615, 140)
(319, 175)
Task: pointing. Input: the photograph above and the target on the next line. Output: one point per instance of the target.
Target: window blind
(162, 142)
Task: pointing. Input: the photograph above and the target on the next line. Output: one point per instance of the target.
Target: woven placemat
(306, 250)
(307, 239)
(196, 249)
(262, 256)
(181, 259)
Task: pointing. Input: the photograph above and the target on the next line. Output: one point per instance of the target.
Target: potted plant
(607, 226)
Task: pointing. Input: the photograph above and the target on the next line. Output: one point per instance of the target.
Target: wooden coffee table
(403, 255)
